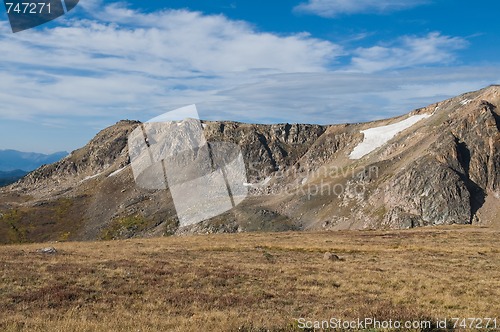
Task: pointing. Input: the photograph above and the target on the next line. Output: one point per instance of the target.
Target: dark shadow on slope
(464, 156)
(497, 119)
(265, 145)
(493, 109)
(477, 194)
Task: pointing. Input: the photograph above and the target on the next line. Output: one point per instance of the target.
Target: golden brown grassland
(250, 282)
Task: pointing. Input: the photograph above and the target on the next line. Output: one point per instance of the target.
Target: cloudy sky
(314, 61)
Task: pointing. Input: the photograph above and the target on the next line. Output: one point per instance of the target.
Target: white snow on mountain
(378, 136)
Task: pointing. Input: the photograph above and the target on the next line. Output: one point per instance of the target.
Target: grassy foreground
(251, 282)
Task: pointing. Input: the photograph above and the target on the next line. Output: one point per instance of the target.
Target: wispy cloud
(121, 63)
(407, 52)
(333, 8)
(131, 60)
(346, 97)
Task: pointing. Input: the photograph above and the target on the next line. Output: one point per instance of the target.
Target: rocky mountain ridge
(444, 169)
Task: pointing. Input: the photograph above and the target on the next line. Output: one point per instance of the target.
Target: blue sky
(315, 61)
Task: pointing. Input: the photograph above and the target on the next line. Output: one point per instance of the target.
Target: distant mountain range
(9, 177)
(11, 160)
(16, 164)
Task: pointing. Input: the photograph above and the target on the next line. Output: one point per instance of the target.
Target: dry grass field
(251, 282)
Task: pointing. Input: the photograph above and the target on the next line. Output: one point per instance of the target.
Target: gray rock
(332, 257)
(47, 251)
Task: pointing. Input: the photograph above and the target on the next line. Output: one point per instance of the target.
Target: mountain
(9, 177)
(16, 164)
(11, 160)
(437, 165)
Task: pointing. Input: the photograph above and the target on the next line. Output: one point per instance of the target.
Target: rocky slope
(444, 169)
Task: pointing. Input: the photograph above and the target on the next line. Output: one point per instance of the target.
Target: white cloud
(179, 42)
(128, 60)
(89, 73)
(333, 8)
(336, 97)
(408, 51)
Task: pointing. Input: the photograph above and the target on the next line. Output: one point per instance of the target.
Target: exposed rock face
(451, 183)
(266, 149)
(416, 199)
(443, 170)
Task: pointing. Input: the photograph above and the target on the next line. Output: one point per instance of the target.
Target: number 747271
(28, 7)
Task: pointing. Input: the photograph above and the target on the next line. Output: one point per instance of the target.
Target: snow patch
(117, 171)
(91, 177)
(376, 137)
(465, 101)
(266, 181)
(260, 184)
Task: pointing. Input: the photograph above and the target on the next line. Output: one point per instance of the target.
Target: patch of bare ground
(251, 282)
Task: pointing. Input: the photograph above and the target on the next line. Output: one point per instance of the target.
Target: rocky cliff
(442, 169)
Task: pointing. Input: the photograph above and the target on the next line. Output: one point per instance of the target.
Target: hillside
(437, 165)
